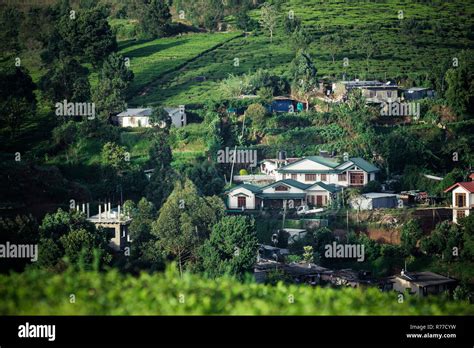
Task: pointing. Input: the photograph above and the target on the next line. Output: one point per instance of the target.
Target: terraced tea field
(444, 29)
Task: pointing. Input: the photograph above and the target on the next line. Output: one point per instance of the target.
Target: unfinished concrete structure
(111, 219)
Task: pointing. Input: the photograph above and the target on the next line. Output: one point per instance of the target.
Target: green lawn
(150, 60)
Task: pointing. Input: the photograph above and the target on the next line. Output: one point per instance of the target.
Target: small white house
(462, 198)
(141, 117)
(134, 118)
(421, 283)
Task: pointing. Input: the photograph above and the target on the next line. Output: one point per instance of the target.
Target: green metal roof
(322, 160)
(328, 187)
(251, 188)
(294, 183)
(329, 171)
(364, 165)
(317, 159)
(289, 182)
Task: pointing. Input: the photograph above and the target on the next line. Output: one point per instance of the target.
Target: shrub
(113, 293)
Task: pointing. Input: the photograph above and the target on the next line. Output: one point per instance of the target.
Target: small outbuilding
(416, 93)
(375, 200)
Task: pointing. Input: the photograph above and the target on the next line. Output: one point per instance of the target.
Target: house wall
(311, 196)
(179, 119)
(468, 206)
(382, 94)
(401, 285)
(291, 189)
(233, 198)
(134, 121)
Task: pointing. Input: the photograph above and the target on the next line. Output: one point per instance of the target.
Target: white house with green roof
(355, 172)
(278, 194)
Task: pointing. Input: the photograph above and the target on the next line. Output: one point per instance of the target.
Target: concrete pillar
(118, 210)
(88, 214)
(100, 212)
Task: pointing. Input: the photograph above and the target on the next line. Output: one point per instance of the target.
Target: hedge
(37, 292)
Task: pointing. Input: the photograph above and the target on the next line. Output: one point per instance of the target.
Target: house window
(460, 200)
(460, 214)
(341, 177)
(324, 177)
(281, 188)
(284, 176)
(389, 94)
(372, 94)
(310, 177)
(241, 202)
(294, 176)
(357, 179)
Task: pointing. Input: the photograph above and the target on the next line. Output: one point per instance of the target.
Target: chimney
(100, 212)
(471, 176)
(118, 210)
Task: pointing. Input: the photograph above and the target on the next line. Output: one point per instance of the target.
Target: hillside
(442, 29)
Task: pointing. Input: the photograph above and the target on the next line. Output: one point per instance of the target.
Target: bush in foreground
(36, 292)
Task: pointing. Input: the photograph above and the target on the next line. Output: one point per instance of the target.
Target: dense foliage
(167, 293)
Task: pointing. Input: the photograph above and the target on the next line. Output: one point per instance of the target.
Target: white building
(355, 172)
(462, 198)
(282, 193)
(421, 283)
(141, 117)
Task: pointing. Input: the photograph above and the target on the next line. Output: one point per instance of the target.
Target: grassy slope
(400, 54)
(151, 59)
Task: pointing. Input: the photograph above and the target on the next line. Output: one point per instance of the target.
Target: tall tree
(184, 221)
(163, 177)
(231, 248)
(67, 79)
(268, 18)
(303, 74)
(156, 18)
(460, 81)
(17, 99)
(109, 93)
(411, 233)
(333, 42)
(370, 47)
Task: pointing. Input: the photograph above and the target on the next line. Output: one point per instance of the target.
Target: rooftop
(425, 278)
(468, 185)
(136, 112)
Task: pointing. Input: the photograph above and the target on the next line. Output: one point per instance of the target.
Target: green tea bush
(36, 292)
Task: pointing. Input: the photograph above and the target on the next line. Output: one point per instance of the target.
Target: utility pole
(233, 163)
